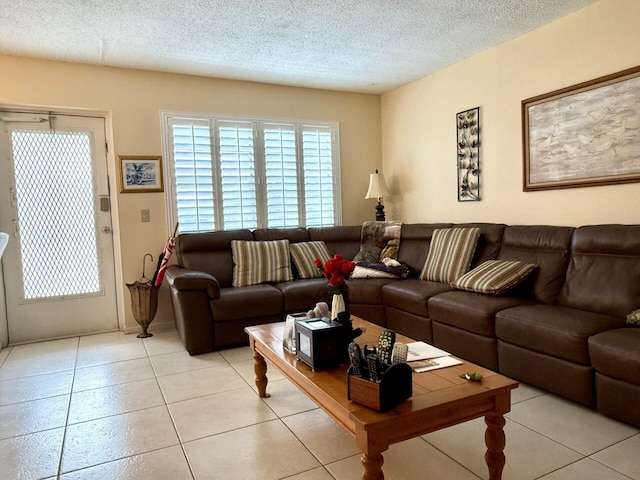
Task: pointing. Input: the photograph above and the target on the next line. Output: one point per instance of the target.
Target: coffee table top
(440, 397)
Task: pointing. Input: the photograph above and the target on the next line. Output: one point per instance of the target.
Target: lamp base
(380, 212)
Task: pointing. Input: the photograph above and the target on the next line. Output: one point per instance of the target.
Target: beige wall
(134, 100)
(418, 124)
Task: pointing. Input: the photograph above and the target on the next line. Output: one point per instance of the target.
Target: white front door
(54, 203)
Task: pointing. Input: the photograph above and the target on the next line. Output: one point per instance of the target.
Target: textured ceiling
(363, 46)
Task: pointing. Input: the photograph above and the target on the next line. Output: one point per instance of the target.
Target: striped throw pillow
(260, 262)
(304, 253)
(494, 276)
(450, 254)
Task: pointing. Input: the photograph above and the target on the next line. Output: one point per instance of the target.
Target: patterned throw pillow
(260, 262)
(450, 254)
(494, 276)
(303, 255)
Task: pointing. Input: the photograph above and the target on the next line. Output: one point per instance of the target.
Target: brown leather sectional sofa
(563, 329)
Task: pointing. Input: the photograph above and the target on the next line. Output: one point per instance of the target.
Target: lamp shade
(377, 186)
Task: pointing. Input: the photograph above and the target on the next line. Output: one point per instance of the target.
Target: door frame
(113, 195)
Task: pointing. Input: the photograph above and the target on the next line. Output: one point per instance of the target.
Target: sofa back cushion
(343, 240)
(414, 244)
(257, 262)
(294, 235)
(604, 270)
(544, 246)
(489, 242)
(209, 252)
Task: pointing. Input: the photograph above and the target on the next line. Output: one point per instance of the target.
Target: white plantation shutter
(281, 173)
(193, 179)
(228, 174)
(318, 176)
(237, 176)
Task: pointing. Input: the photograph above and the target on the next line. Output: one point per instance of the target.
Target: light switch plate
(144, 215)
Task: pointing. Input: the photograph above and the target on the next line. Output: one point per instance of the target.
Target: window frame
(258, 125)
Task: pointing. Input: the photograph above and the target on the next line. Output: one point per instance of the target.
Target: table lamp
(377, 189)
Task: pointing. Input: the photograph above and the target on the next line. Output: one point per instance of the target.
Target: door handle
(106, 230)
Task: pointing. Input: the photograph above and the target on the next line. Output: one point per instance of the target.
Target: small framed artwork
(583, 135)
(468, 143)
(140, 173)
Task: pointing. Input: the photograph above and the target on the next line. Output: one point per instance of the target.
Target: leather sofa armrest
(183, 279)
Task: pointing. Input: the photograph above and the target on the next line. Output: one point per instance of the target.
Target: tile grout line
(166, 405)
(66, 420)
(421, 437)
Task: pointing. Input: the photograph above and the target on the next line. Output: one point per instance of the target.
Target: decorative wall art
(468, 125)
(139, 174)
(583, 135)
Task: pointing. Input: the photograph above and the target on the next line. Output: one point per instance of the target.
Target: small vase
(337, 305)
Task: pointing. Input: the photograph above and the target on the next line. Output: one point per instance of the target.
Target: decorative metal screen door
(54, 203)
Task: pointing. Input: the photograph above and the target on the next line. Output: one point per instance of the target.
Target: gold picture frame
(140, 174)
(583, 135)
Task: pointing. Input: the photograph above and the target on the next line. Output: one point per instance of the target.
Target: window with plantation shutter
(227, 174)
(193, 176)
(318, 176)
(281, 173)
(237, 178)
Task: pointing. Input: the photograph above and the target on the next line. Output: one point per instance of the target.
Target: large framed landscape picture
(138, 174)
(583, 135)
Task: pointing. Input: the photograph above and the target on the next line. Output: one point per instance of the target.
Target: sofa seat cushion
(302, 295)
(473, 312)
(557, 331)
(366, 291)
(246, 302)
(616, 353)
(411, 295)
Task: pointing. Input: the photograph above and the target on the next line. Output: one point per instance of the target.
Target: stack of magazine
(423, 357)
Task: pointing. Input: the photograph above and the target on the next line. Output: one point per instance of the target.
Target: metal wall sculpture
(468, 127)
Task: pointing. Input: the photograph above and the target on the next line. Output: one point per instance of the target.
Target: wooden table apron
(440, 399)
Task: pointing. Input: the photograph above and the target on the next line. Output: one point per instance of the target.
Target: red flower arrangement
(337, 270)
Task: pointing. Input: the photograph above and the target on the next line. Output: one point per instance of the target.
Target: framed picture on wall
(140, 173)
(583, 135)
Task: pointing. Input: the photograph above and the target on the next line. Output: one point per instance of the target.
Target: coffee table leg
(372, 466)
(495, 441)
(260, 367)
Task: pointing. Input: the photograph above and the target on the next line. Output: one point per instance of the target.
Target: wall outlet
(144, 215)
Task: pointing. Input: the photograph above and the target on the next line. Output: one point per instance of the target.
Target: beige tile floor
(112, 406)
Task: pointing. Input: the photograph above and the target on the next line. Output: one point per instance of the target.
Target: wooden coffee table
(440, 399)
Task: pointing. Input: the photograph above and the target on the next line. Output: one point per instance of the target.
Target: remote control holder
(395, 386)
